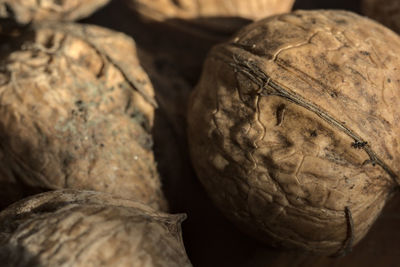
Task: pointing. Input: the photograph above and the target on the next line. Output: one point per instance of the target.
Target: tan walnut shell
(86, 228)
(293, 128)
(214, 15)
(77, 111)
(386, 12)
(26, 11)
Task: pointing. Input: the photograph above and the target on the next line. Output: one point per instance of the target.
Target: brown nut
(85, 228)
(76, 111)
(386, 12)
(214, 15)
(26, 11)
(293, 128)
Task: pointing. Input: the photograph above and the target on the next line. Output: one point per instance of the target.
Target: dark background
(173, 59)
(328, 4)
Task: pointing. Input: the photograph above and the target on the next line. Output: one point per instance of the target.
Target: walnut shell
(293, 128)
(386, 12)
(378, 248)
(85, 228)
(76, 111)
(26, 11)
(213, 15)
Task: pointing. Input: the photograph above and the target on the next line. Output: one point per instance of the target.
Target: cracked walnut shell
(77, 111)
(293, 128)
(85, 228)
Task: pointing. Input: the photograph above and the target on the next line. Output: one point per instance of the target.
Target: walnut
(77, 111)
(26, 11)
(85, 228)
(209, 16)
(293, 128)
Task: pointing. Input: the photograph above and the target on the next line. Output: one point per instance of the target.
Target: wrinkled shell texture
(278, 125)
(386, 12)
(76, 111)
(85, 228)
(25, 11)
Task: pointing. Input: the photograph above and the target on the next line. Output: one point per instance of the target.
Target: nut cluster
(292, 128)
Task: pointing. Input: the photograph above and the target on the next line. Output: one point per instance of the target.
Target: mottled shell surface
(76, 111)
(209, 15)
(293, 128)
(26, 11)
(86, 228)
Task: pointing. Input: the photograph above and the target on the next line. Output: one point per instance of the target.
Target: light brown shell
(378, 248)
(85, 228)
(77, 111)
(386, 12)
(211, 15)
(26, 11)
(293, 128)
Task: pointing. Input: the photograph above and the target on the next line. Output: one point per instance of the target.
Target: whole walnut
(209, 15)
(26, 11)
(386, 12)
(84, 228)
(294, 128)
(77, 111)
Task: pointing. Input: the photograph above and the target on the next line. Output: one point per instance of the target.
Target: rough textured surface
(26, 11)
(379, 248)
(84, 228)
(386, 12)
(77, 111)
(292, 128)
(209, 16)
